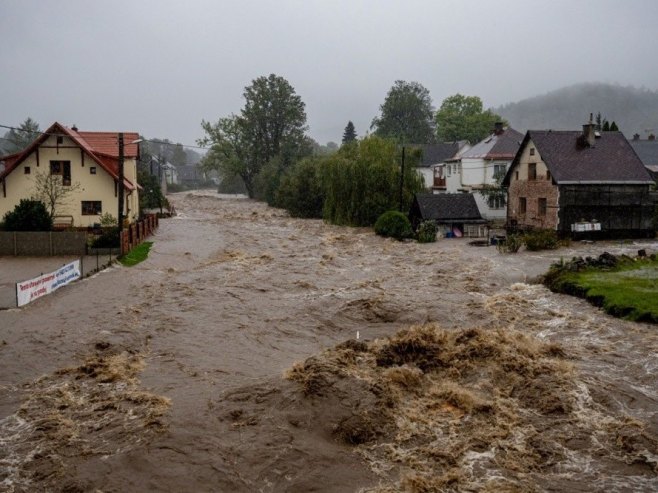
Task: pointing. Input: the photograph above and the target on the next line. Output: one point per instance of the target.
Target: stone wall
(43, 243)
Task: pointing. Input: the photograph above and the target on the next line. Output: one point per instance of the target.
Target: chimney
(652, 137)
(636, 136)
(588, 132)
(498, 128)
(74, 128)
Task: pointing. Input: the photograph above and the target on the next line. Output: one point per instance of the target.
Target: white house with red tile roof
(86, 161)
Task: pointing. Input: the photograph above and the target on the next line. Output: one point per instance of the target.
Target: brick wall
(533, 190)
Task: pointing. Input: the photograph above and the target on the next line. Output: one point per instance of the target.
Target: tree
(300, 191)
(463, 118)
(50, 189)
(606, 126)
(28, 215)
(362, 181)
(272, 123)
(614, 127)
(406, 114)
(18, 139)
(349, 135)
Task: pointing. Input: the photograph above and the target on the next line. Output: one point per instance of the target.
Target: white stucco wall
(92, 187)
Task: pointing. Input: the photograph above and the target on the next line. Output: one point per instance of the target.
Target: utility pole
(121, 158)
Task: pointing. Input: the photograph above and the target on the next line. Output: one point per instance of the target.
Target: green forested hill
(634, 110)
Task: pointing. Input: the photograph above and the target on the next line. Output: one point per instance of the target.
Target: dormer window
(532, 151)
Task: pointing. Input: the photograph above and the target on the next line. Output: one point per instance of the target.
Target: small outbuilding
(456, 214)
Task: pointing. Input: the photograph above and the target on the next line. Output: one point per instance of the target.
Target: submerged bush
(427, 231)
(511, 244)
(541, 239)
(394, 224)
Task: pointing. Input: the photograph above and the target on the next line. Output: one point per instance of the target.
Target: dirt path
(168, 376)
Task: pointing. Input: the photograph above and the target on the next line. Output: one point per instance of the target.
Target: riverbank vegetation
(624, 287)
(137, 254)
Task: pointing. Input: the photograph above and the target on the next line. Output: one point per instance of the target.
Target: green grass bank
(624, 287)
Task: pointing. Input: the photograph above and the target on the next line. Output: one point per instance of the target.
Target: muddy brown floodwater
(220, 364)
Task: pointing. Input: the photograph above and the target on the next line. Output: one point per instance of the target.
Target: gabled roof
(102, 147)
(448, 207)
(501, 146)
(438, 153)
(647, 151)
(610, 160)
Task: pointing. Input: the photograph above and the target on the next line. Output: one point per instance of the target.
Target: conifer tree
(349, 135)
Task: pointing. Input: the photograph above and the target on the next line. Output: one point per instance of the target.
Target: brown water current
(217, 365)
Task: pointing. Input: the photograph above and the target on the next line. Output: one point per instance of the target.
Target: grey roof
(610, 160)
(437, 153)
(647, 151)
(448, 207)
(501, 146)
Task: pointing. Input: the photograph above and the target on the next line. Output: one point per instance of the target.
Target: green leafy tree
(50, 189)
(18, 139)
(406, 114)
(301, 192)
(394, 224)
(464, 118)
(362, 181)
(28, 215)
(349, 135)
(272, 123)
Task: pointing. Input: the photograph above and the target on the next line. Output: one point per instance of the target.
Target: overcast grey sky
(160, 67)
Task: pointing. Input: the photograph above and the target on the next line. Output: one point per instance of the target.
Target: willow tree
(362, 181)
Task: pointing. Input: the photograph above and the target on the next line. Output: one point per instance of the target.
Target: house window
(92, 170)
(548, 175)
(532, 171)
(496, 202)
(541, 206)
(499, 170)
(91, 207)
(522, 205)
(60, 139)
(516, 176)
(532, 151)
(27, 170)
(62, 168)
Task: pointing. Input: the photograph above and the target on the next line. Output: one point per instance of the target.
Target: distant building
(432, 165)
(647, 151)
(484, 164)
(191, 176)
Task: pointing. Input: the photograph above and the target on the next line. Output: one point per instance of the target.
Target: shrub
(108, 220)
(427, 231)
(511, 244)
(541, 239)
(393, 224)
(300, 191)
(109, 239)
(28, 215)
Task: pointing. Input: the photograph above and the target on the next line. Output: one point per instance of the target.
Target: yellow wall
(92, 187)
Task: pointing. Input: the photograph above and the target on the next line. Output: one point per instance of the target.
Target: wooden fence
(137, 232)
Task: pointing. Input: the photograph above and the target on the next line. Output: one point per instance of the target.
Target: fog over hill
(634, 110)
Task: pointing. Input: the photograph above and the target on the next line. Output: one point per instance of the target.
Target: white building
(483, 165)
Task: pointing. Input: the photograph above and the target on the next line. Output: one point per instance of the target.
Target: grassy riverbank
(629, 289)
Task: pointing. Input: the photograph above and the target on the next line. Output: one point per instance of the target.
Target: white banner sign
(45, 284)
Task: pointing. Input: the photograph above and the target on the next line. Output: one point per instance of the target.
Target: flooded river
(175, 375)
